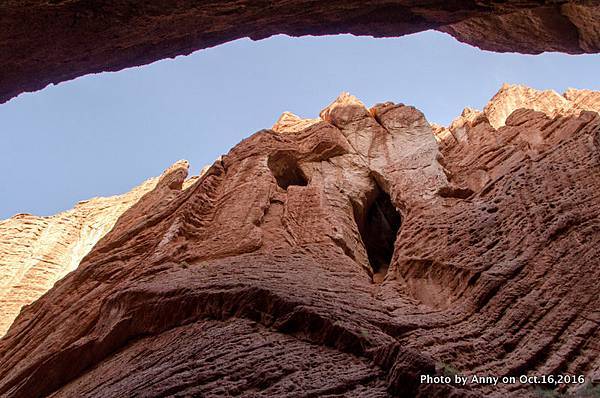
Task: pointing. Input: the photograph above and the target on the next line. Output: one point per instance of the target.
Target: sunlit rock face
(511, 97)
(344, 255)
(44, 42)
(549, 102)
(35, 252)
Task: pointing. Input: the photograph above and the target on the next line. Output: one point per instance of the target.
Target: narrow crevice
(286, 171)
(378, 224)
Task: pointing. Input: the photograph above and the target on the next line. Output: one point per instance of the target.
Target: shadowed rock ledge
(262, 278)
(43, 42)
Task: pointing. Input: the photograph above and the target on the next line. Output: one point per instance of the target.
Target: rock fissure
(379, 225)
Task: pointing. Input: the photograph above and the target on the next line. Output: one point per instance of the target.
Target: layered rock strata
(44, 42)
(340, 256)
(35, 252)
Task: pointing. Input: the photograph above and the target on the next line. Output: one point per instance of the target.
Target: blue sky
(103, 134)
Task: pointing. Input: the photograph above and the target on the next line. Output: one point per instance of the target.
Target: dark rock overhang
(50, 41)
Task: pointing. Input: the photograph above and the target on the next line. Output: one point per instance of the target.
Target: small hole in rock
(455, 192)
(378, 226)
(286, 171)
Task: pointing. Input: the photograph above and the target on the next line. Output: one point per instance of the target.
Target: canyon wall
(44, 42)
(264, 278)
(35, 252)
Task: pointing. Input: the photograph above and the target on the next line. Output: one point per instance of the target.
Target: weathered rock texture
(43, 42)
(511, 97)
(35, 252)
(340, 256)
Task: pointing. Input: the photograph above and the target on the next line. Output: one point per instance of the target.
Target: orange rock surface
(341, 256)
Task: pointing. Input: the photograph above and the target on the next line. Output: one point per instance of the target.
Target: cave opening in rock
(378, 226)
(286, 170)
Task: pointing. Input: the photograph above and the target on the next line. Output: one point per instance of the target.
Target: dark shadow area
(286, 171)
(378, 227)
(455, 192)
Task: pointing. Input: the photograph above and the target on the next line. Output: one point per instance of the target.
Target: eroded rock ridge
(263, 277)
(35, 252)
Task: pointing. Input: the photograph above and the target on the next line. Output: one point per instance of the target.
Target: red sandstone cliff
(342, 256)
